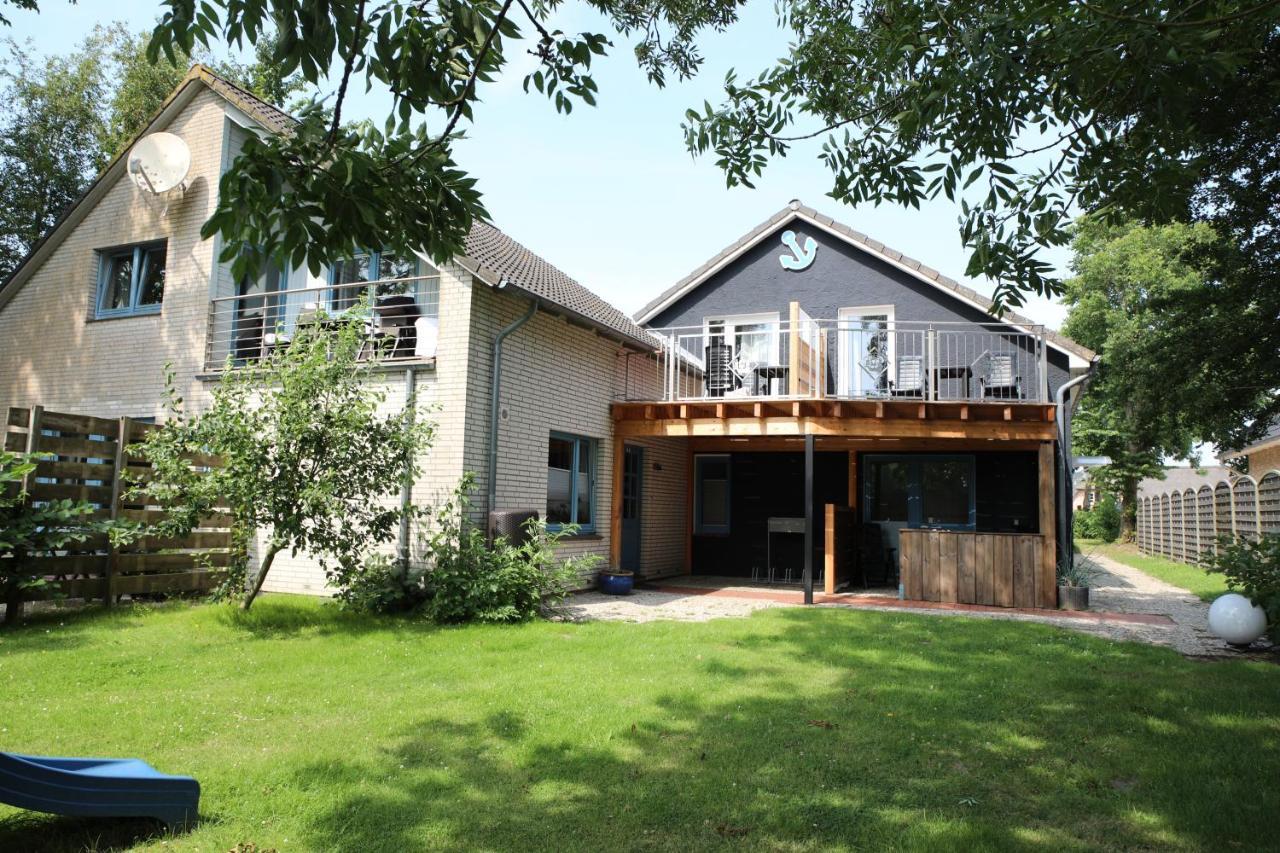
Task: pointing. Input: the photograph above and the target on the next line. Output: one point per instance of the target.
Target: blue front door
(632, 484)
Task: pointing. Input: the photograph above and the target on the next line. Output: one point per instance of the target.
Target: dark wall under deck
(764, 485)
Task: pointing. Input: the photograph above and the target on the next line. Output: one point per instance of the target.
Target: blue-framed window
(131, 280)
(712, 474)
(571, 482)
(374, 266)
(923, 490)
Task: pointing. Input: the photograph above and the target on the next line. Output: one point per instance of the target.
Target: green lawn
(1192, 578)
(791, 730)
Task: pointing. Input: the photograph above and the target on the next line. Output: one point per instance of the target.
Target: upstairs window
(131, 280)
(421, 286)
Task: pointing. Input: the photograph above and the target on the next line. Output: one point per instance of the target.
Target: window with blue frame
(379, 267)
(711, 474)
(571, 482)
(921, 490)
(131, 280)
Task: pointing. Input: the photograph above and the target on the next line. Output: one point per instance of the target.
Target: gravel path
(1124, 589)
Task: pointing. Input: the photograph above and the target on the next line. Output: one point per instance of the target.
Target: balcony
(804, 358)
(400, 317)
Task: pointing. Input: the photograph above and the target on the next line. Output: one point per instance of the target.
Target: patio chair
(999, 379)
(910, 379)
(397, 315)
(719, 375)
(875, 561)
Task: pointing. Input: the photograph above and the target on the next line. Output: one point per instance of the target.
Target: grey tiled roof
(269, 115)
(493, 256)
(873, 246)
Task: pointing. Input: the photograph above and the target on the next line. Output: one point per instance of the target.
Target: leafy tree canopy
(1178, 364)
(63, 118)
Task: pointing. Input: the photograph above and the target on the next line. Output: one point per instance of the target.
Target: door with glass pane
(866, 351)
(632, 490)
(918, 490)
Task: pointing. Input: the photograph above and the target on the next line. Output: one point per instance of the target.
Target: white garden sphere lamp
(1236, 619)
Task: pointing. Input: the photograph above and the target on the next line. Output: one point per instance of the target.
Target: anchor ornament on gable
(799, 259)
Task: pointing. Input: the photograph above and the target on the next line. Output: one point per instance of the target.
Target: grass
(795, 729)
(1191, 578)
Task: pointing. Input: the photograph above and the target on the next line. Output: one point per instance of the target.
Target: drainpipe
(406, 487)
(1066, 548)
(495, 393)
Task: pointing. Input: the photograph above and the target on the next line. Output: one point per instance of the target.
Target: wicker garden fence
(1187, 525)
(86, 457)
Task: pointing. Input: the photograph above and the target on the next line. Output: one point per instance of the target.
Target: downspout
(406, 487)
(495, 392)
(1066, 548)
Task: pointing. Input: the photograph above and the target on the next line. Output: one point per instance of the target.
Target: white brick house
(74, 336)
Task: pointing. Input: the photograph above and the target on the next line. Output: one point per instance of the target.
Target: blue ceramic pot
(617, 583)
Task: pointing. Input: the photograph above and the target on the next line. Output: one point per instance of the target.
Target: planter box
(1073, 598)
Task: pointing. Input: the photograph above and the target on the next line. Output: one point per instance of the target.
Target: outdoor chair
(875, 561)
(1000, 379)
(396, 315)
(745, 379)
(719, 374)
(910, 379)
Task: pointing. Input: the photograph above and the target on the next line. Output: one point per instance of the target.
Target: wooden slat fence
(88, 455)
(1186, 526)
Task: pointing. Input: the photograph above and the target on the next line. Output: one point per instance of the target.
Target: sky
(610, 195)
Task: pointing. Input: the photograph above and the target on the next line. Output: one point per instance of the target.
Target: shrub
(1101, 522)
(469, 580)
(381, 586)
(1253, 570)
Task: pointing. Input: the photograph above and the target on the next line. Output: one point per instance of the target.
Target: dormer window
(131, 280)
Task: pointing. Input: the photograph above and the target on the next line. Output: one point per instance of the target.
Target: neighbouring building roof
(1271, 437)
(1180, 479)
(798, 210)
(492, 256)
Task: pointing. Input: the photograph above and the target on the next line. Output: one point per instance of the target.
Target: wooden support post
(688, 511)
(1048, 580)
(34, 425)
(808, 518)
(793, 350)
(829, 550)
(117, 473)
(853, 481)
(615, 503)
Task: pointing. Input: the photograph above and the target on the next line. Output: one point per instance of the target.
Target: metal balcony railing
(401, 317)
(843, 360)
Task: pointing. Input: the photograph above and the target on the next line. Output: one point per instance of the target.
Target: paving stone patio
(1126, 604)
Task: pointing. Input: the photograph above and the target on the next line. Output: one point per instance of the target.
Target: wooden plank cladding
(85, 457)
(962, 567)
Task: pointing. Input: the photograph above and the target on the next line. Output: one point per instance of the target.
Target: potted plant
(616, 581)
(1073, 585)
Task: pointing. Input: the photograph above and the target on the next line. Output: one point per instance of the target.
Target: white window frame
(849, 381)
(730, 322)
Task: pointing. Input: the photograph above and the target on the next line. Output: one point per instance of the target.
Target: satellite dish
(159, 164)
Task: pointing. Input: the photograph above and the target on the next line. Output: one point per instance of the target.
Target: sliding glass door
(918, 490)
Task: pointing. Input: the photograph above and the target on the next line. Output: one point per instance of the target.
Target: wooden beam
(964, 413)
(1008, 413)
(758, 410)
(615, 502)
(865, 428)
(879, 410)
(1047, 583)
(720, 411)
(922, 411)
(853, 480)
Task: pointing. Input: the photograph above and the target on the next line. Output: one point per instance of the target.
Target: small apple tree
(304, 454)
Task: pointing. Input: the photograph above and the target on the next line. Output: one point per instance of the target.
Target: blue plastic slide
(97, 787)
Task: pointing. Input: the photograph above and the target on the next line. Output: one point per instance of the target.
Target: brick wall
(55, 354)
(1264, 460)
